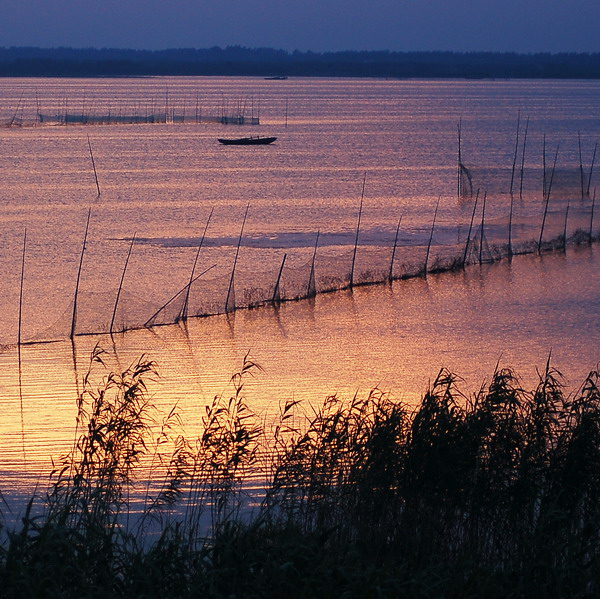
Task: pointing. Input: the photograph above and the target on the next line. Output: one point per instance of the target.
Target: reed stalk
(494, 493)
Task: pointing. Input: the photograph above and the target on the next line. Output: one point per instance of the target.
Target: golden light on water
(393, 337)
(160, 182)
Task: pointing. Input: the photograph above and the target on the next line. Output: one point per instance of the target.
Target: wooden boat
(248, 141)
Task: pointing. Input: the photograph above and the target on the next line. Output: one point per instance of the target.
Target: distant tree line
(237, 60)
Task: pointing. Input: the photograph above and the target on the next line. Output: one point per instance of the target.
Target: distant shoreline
(270, 63)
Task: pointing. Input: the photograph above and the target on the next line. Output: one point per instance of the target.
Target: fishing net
(486, 228)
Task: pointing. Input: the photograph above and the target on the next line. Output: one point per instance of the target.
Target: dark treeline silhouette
(237, 60)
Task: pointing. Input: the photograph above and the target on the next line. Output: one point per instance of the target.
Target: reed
(494, 493)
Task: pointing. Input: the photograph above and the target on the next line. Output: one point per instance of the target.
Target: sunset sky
(318, 25)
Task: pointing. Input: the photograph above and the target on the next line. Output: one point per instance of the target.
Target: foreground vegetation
(495, 494)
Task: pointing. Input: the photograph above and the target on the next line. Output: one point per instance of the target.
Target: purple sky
(319, 25)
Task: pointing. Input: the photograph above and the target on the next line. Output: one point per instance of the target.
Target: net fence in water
(137, 119)
(490, 227)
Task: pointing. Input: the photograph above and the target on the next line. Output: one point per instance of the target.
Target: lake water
(393, 143)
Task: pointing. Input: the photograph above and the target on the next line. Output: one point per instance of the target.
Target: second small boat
(247, 141)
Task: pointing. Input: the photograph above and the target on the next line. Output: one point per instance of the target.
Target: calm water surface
(160, 182)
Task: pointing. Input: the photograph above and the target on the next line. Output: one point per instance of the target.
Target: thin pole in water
(591, 170)
(581, 175)
(150, 321)
(431, 234)
(512, 179)
(523, 158)
(362, 196)
(12, 122)
(391, 273)
(565, 229)
(592, 216)
(547, 201)
(514, 164)
(93, 164)
(74, 317)
(544, 166)
(459, 165)
(114, 314)
(230, 291)
(38, 116)
(311, 290)
(184, 309)
(19, 337)
(482, 230)
(276, 293)
(464, 260)
(510, 224)
(19, 341)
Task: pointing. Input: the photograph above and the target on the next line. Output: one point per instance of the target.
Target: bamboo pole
(311, 290)
(464, 260)
(83, 247)
(431, 234)
(592, 216)
(589, 182)
(184, 308)
(565, 229)
(514, 164)
(230, 290)
(547, 200)
(523, 159)
(276, 294)
(14, 117)
(149, 322)
(459, 165)
(19, 343)
(544, 166)
(362, 196)
(510, 224)
(38, 116)
(114, 314)
(93, 164)
(19, 332)
(482, 229)
(391, 273)
(581, 175)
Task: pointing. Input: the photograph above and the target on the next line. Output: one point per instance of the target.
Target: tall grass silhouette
(494, 493)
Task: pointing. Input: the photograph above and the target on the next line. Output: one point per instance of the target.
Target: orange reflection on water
(393, 337)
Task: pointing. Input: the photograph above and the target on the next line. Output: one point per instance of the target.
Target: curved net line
(511, 226)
